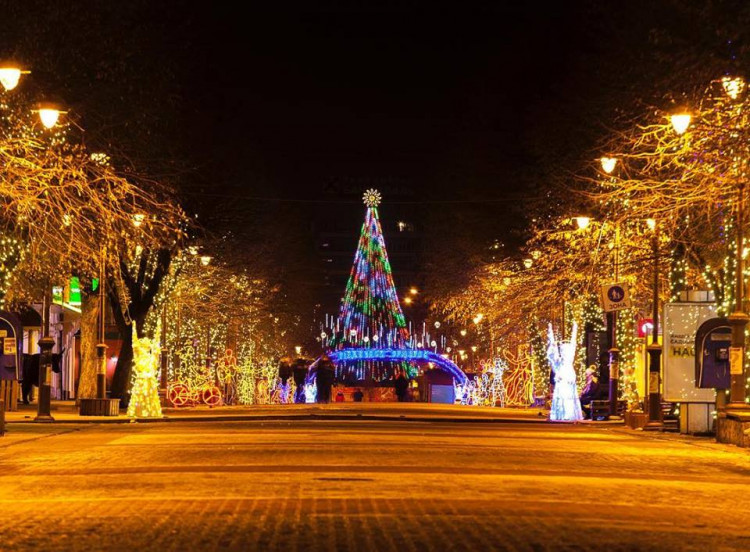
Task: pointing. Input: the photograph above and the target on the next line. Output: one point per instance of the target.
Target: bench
(600, 409)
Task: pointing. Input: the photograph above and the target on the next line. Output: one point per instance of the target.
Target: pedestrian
(285, 369)
(299, 373)
(358, 395)
(590, 392)
(339, 397)
(324, 377)
(401, 384)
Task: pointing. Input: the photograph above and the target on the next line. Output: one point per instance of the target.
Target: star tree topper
(371, 197)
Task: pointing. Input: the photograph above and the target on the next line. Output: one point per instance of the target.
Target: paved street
(368, 485)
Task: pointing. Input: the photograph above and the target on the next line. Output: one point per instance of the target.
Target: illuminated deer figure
(566, 406)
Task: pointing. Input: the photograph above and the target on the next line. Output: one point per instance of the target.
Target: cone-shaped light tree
(370, 311)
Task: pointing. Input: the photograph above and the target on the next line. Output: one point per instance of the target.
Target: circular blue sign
(616, 294)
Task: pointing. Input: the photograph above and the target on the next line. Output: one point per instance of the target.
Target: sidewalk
(65, 412)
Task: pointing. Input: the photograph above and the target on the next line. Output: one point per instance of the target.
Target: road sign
(615, 297)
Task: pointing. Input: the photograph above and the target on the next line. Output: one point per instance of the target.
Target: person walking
(326, 373)
(401, 385)
(299, 373)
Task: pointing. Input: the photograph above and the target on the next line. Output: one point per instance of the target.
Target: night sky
(267, 121)
(440, 100)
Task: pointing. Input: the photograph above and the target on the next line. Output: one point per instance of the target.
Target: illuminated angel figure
(144, 398)
(566, 406)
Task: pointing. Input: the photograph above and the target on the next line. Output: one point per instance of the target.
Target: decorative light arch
(408, 355)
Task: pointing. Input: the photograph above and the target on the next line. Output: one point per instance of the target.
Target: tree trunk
(89, 339)
(121, 378)
(141, 290)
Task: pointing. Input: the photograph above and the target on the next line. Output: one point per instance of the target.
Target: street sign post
(615, 297)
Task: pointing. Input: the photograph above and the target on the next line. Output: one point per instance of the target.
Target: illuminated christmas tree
(370, 314)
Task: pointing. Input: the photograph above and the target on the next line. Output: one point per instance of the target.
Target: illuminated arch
(396, 355)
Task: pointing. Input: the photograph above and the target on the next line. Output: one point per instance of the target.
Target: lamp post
(614, 352)
(49, 114)
(739, 319)
(46, 343)
(655, 421)
(101, 347)
(608, 165)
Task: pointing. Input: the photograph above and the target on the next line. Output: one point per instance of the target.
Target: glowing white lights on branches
(733, 86)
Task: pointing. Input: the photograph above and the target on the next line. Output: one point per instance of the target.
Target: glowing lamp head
(413, 291)
(651, 223)
(680, 122)
(608, 164)
(528, 262)
(478, 318)
(138, 219)
(407, 300)
(463, 333)
(298, 350)
(205, 260)
(49, 116)
(9, 77)
(582, 223)
(733, 86)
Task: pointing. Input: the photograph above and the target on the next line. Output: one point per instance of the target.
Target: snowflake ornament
(371, 197)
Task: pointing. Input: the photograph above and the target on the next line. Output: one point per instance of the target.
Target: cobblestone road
(371, 486)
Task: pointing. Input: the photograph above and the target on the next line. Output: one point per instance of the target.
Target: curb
(319, 417)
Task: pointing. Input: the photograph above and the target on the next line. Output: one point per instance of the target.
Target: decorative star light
(371, 197)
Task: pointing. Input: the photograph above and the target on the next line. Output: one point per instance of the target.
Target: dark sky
(254, 114)
(440, 99)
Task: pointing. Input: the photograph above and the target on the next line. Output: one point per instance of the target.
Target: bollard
(2, 418)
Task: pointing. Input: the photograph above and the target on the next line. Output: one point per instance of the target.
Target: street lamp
(680, 122)
(49, 113)
(738, 319)
(582, 222)
(10, 74)
(614, 352)
(608, 164)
